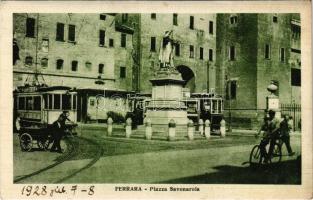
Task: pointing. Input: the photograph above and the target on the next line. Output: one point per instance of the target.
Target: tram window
(56, 102)
(37, 103)
(29, 103)
(74, 101)
(50, 100)
(21, 103)
(220, 106)
(66, 102)
(45, 99)
(214, 106)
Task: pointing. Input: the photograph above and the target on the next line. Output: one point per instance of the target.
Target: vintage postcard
(155, 100)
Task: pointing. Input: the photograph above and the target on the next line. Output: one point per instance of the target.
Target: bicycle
(256, 158)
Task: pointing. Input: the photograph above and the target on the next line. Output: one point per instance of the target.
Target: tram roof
(45, 89)
(31, 89)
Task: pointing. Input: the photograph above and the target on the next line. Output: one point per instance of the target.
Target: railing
(293, 110)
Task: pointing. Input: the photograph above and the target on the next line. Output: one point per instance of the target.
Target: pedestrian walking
(58, 128)
(57, 134)
(285, 128)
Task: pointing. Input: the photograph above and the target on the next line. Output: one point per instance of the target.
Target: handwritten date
(30, 190)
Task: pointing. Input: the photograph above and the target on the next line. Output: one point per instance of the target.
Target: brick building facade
(236, 55)
(254, 50)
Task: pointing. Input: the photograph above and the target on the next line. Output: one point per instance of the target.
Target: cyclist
(271, 133)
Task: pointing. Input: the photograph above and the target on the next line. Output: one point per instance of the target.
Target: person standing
(57, 133)
(271, 128)
(285, 128)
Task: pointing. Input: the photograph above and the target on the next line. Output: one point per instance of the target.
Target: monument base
(161, 118)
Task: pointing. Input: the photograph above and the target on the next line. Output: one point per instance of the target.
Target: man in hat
(58, 128)
(272, 132)
(285, 128)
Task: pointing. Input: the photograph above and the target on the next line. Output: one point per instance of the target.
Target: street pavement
(221, 160)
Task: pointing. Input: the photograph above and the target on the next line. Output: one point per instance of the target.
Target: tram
(36, 108)
(205, 106)
(209, 106)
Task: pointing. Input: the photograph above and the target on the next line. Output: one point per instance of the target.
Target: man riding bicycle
(271, 133)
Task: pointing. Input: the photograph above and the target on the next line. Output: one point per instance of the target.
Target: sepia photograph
(127, 100)
(155, 92)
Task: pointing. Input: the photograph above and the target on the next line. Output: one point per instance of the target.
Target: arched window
(101, 68)
(59, 64)
(88, 65)
(74, 65)
(29, 60)
(44, 62)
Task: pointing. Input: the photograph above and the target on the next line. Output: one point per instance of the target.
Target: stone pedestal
(272, 103)
(166, 102)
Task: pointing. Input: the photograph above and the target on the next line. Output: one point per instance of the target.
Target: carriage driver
(59, 131)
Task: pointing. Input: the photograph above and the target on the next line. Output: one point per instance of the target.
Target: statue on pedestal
(166, 51)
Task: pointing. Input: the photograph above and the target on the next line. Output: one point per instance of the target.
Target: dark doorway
(188, 76)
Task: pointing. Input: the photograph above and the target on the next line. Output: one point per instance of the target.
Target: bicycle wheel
(276, 155)
(255, 155)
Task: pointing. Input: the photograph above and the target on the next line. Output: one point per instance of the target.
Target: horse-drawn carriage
(36, 108)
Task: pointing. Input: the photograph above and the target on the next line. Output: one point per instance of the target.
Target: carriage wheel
(43, 144)
(26, 142)
(255, 155)
(48, 142)
(276, 156)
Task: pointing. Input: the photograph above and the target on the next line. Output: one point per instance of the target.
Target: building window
(153, 16)
(282, 54)
(60, 32)
(275, 19)
(44, 62)
(100, 68)
(59, 64)
(103, 17)
(74, 65)
(233, 20)
(210, 54)
(267, 53)
(201, 53)
(124, 17)
(295, 77)
(71, 33)
(211, 31)
(153, 44)
(295, 50)
(191, 22)
(45, 45)
(191, 51)
(175, 21)
(101, 38)
(123, 40)
(122, 72)
(30, 27)
(231, 89)
(177, 49)
(111, 42)
(232, 53)
(88, 65)
(29, 61)
(296, 31)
